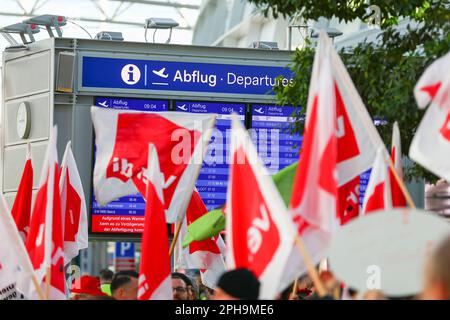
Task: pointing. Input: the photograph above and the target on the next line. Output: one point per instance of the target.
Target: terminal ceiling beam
(112, 21)
(162, 3)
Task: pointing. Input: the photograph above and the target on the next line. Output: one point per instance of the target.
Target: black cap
(240, 283)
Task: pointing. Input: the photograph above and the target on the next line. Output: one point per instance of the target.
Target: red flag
(339, 144)
(205, 255)
(45, 238)
(73, 207)
(122, 139)
(260, 232)
(349, 200)
(430, 146)
(398, 198)
(21, 210)
(315, 191)
(154, 273)
(378, 192)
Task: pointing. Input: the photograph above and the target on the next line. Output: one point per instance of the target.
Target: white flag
(73, 207)
(430, 146)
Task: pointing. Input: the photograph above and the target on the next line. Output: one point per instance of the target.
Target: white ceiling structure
(126, 16)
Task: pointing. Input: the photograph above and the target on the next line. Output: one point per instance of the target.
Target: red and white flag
(435, 77)
(205, 255)
(154, 273)
(339, 144)
(378, 192)
(73, 207)
(21, 209)
(45, 238)
(259, 229)
(122, 138)
(357, 138)
(15, 264)
(398, 198)
(314, 198)
(430, 146)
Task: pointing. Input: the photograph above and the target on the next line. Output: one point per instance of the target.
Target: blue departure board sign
(271, 133)
(213, 178)
(126, 214)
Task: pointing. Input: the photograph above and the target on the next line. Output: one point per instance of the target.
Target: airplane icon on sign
(259, 110)
(160, 73)
(183, 107)
(104, 104)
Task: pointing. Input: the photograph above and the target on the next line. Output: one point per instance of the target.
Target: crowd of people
(241, 284)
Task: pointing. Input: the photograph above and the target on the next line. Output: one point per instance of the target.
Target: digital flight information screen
(270, 129)
(271, 133)
(126, 214)
(213, 178)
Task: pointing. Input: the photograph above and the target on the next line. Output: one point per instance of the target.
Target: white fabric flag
(73, 207)
(430, 146)
(122, 138)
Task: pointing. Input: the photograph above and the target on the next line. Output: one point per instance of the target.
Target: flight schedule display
(271, 133)
(271, 128)
(126, 214)
(213, 178)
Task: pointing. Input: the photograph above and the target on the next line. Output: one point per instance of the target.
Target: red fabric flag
(378, 192)
(21, 210)
(73, 207)
(122, 139)
(339, 144)
(260, 232)
(205, 255)
(45, 239)
(398, 198)
(154, 273)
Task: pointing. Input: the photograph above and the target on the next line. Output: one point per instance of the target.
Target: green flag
(210, 224)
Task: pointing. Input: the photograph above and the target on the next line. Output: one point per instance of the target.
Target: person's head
(85, 288)
(180, 284)
(106, 276)
(238, 284)
(331, 284)
(193, 293)
(124, 285)
(374, 295)
(353, 293)
(437, 275)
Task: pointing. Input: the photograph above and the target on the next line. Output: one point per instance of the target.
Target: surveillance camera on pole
(22, 29)
(49, 21)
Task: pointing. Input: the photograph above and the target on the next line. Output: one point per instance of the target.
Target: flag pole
(47, 283)
(37, 287)
(312, 272)
(294, 287)
(401, 183)
(175, 238)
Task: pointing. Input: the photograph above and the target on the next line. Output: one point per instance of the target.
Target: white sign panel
(387, 250)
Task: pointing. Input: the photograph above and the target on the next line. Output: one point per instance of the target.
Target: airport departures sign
(101, 72)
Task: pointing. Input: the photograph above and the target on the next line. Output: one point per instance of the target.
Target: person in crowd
(437, 273)
(238, 284)
(350, 294)
(205, 293)
(85, 288)
(332, 285)
(180, 284)
(192, 291)
(106, 277)
(374, 295)
(124, 285)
